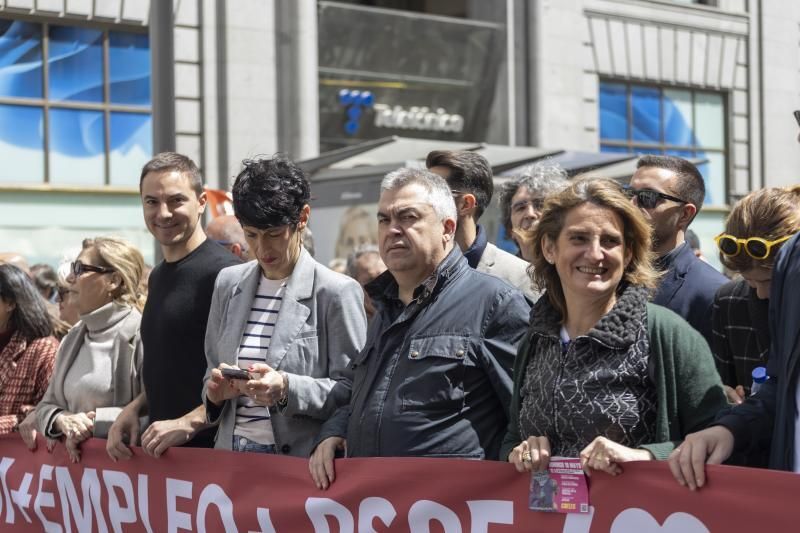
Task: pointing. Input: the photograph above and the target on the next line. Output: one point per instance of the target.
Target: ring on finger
(526, 456)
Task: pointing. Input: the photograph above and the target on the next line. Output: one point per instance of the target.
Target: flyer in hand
(561, 488)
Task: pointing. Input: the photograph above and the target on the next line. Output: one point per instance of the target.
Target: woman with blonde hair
(756, 228)
(98, 366)
(603, 374)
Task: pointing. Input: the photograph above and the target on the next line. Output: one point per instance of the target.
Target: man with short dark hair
(227, 232)
(670, 191)
(175, 315)
(469, 177)
(432, 379)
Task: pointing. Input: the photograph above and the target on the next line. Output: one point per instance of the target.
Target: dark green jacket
(682, 369)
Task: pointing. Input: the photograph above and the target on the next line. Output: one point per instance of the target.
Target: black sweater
(173, 332)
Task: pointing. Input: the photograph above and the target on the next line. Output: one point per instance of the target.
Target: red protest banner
(204, 490)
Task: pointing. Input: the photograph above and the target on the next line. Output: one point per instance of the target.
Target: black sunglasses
(79, 268)
(648, 198)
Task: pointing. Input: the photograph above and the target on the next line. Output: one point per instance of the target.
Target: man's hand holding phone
(226, 382)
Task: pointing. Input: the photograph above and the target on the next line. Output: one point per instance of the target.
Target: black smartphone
(235, 373)
(797, 117)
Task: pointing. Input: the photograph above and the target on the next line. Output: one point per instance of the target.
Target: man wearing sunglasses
(469, 177)
(670, 191)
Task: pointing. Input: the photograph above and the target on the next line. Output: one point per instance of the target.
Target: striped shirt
(253, 420)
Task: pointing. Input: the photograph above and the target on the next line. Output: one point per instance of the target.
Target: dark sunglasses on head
(648, 198)
(79, 268)
(755, 247)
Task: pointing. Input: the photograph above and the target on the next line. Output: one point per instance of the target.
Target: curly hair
(541, 179)
(603, 193)
(270, 192)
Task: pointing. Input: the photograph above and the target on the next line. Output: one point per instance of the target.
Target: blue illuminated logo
(355, 102)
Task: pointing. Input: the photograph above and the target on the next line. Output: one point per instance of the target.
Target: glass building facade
(648, 119)
(75, 106)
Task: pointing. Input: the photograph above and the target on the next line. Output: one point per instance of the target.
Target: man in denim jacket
(434, 378)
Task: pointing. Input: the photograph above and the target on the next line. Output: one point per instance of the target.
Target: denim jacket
(435, 377)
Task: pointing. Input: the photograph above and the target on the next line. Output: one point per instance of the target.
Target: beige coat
(126, 356)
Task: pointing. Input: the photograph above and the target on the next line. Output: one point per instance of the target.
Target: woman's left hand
(267, 389)
(604, 454)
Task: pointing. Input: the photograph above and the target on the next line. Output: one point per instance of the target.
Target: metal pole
(511, 79)
(162, 78)
(162, 81)
(307, 141)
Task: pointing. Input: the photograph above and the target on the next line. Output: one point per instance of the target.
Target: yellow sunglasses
(755, 247)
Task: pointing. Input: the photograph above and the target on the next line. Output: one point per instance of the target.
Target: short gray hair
(355, 255)
(541, 179)
(439, 195)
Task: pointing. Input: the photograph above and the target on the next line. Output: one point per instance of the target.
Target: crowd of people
(605, 337)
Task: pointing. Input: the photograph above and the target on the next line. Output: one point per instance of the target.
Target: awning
(389, 153)
(502, 157)
(353, 174)
(575, 163)
(386, 151)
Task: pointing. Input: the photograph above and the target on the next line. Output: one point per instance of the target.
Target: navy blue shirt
(475, 251)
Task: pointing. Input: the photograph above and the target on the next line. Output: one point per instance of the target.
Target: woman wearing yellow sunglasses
(755, 230)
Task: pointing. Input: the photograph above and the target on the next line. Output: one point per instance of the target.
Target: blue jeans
(242, 444)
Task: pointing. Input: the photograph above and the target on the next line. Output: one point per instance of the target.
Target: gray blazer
(126, 361)
(320, 327)
(509, 268)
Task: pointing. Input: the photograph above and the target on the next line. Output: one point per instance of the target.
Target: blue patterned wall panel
(129, 59)
(131, 146)
(75, 59)
(20, 59)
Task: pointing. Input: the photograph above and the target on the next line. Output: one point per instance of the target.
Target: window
(655, 120)
(75, 105)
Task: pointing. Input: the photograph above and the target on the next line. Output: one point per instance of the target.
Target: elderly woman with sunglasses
(756, 228)
(98, 366)
(603, 374)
